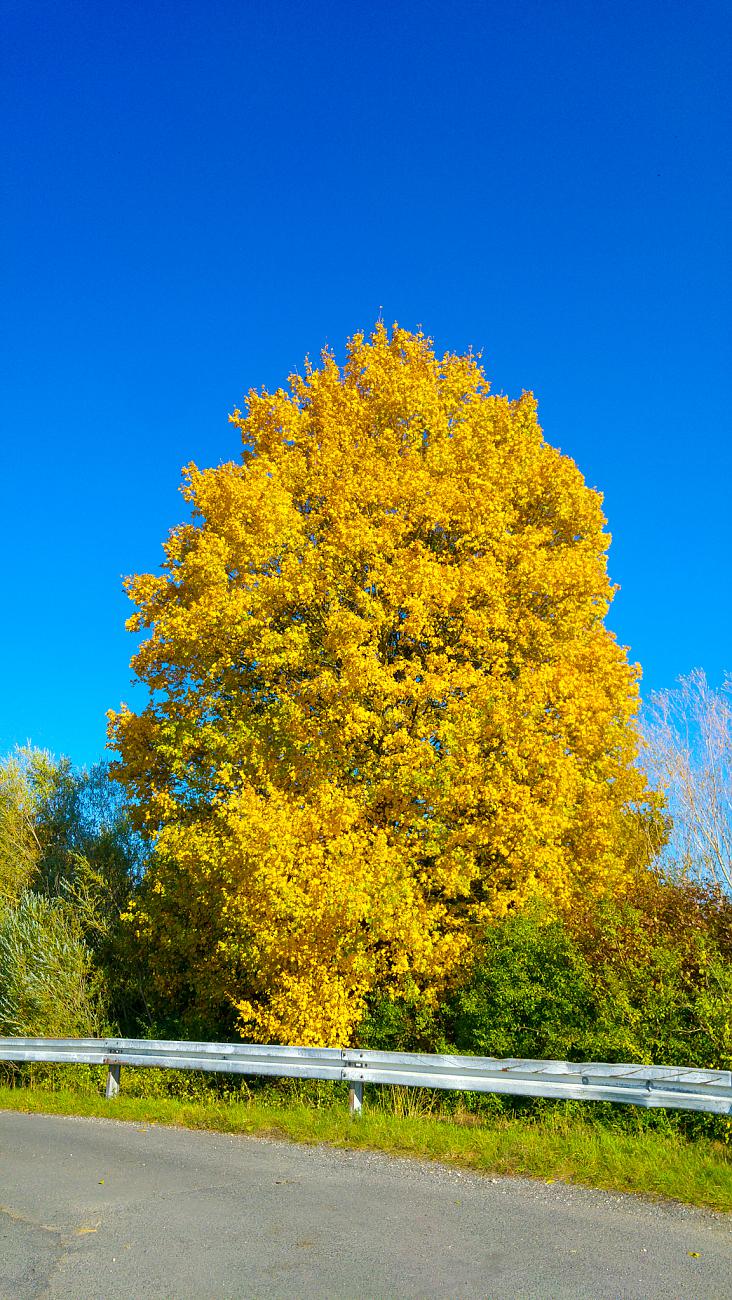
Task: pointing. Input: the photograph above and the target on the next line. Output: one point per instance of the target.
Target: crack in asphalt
(35, 1281)
(15, 1216)
(34, 1285)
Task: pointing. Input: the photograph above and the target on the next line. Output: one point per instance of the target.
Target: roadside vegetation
(392, 789)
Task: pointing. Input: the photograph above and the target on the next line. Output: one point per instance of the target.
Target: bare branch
(687, 749)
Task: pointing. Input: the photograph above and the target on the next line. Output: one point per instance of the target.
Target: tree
(688, 751)
(384, 708)
(19, 844)
(69, 860)
(65, 832)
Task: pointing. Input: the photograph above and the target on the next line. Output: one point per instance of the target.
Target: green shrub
(646, 978)
(530, 994)
(662, 970)
(47, 985)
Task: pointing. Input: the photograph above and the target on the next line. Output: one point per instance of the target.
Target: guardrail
(639, 1085)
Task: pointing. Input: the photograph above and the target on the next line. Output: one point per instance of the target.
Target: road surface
(96, 1208)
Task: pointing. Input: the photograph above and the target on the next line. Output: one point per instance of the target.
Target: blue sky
(197, 195)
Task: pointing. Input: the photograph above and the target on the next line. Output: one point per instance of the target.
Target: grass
(555, 1147)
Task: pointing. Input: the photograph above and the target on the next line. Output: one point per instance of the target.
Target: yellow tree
(384, 707)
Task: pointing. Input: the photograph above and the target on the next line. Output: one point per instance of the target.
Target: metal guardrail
(639, 1085)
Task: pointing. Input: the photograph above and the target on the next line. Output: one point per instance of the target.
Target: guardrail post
(355, 1099)
(113, 1081)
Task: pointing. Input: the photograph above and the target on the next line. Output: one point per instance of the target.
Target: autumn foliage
(384, 706)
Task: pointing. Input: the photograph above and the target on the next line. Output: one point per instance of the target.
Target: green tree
(69, 862)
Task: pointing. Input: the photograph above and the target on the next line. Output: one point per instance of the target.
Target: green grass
(553, 1147)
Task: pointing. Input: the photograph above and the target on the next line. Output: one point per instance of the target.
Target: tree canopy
(384, 707)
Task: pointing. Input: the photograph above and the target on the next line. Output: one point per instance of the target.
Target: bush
(662, 970)
(530, 994)
(47, 985)
(646, 978)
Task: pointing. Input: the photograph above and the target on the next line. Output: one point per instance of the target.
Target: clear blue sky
(198, 194)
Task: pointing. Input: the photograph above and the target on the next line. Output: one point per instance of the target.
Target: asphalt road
(95, 1208)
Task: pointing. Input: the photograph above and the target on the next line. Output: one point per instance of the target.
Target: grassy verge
(552, 1148)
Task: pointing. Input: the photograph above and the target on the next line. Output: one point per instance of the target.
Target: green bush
(662, 970)
(530, 994)
(47, 985)
(646, 978)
